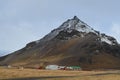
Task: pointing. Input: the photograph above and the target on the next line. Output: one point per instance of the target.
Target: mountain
(74, 43)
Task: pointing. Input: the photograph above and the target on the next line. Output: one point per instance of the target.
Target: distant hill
(74, 43)
(2, 53)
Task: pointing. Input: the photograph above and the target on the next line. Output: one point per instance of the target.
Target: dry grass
(58, 74)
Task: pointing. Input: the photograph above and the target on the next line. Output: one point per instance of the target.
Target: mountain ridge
(76, 24)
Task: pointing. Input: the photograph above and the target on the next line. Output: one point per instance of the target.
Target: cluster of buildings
(56, 67)
(52, 67)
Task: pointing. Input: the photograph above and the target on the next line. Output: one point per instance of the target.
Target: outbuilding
(52, 67)
(75, 67)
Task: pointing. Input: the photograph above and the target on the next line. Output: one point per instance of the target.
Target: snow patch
(105, 39)
(81, 27)
(76, 24)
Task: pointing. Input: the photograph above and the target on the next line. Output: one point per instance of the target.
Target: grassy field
(35, 74)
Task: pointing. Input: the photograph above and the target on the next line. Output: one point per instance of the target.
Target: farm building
(70, 68)
(56, 67)
(52, 67)
(75, 67)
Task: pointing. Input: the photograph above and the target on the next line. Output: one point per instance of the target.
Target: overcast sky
(23, 21)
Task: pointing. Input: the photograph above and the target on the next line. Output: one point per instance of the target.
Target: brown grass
(58, 74)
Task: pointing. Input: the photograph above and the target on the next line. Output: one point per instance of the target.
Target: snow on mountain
(105, 39)
(108, 39)
(75, 24)
(69, 25)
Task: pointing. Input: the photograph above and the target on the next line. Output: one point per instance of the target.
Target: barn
(56, 67)
(52, 67)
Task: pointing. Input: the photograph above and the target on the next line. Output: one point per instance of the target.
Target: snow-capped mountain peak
(75, 24)
(71, 24)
